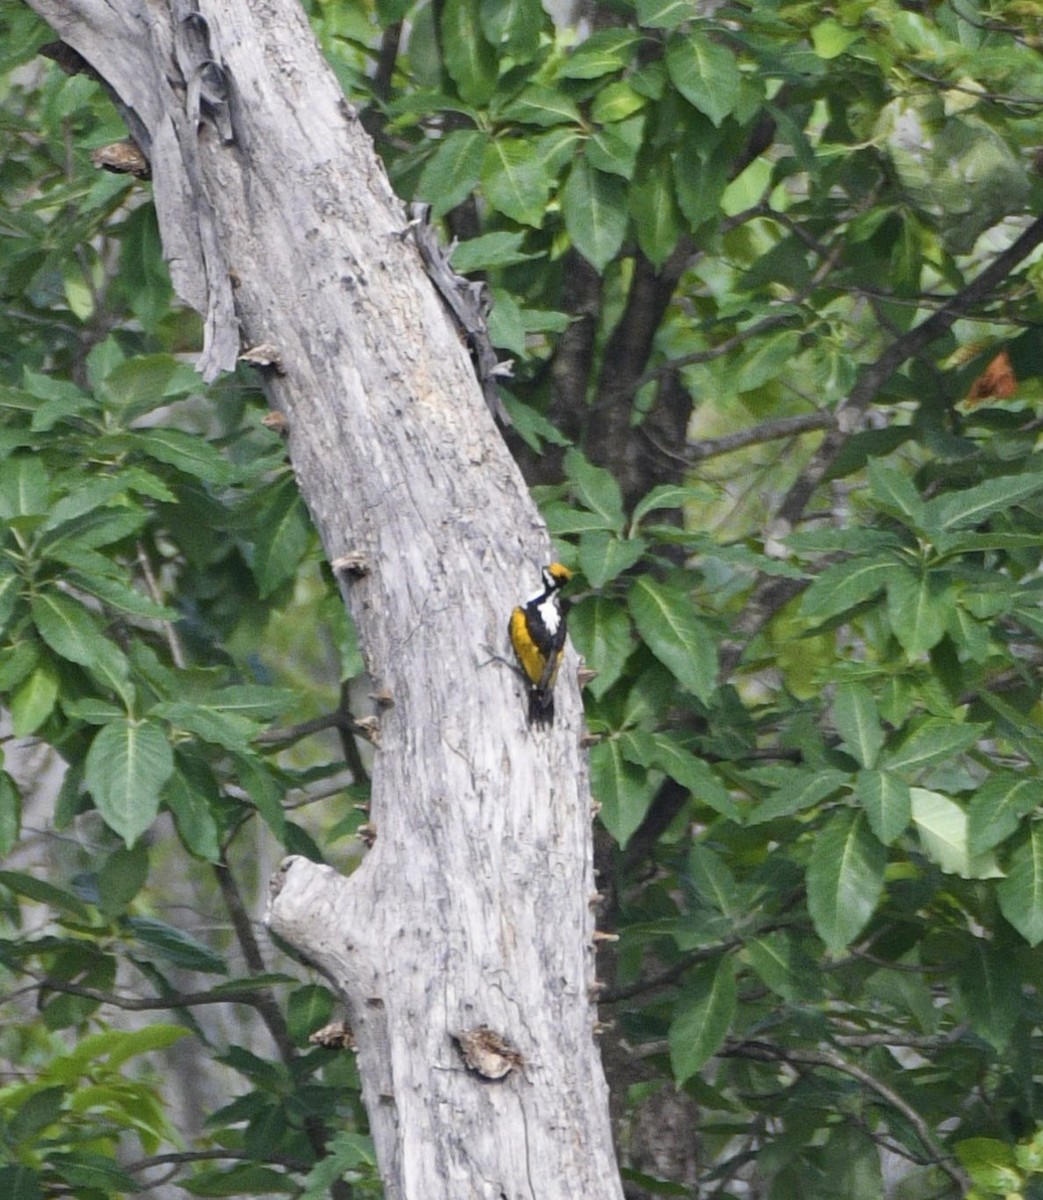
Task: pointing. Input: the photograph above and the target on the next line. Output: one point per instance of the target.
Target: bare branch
(768, 431)
(144, 1003)
(766, 1052)
(876, 374)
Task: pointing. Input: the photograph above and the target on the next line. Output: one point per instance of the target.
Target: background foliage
(768, 277)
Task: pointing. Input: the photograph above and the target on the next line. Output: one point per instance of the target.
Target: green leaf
(308, 1008)
(919, 606)
(716, 885)
(603, 556)
(664, 14)
(344, 1151)
(990, 988)
(10, 591)
(844, 586)
(70, 631)
(701, 175)
(691, 772)
(94, 1171)
(43, 893)
(601, 632)
(858, 722)
(894, 493)
(264, 790)
(499, 249)
(802, 790)
(942, 826)
(613, 107)
(249, 1179)
(25, 490)
(955, 510)
(143, 383)
(934, 740)
(654, 211)
(470, 60)
(831, 39)
(845, 879)
(10, 814)
(991, 1165)
(614, 149)
(93, 710)
(667, 621)
(705, 73)
(284, 533)
(886, 802)
(121, 596)
(595, 210)
(623, 789)
(542, 106)
(780, 965)
(34, 700)
(1020, 895)
(188, 800)
(997, 808)
(513, 26)
(769, 358)
(100, 527)
(188, 453)
(126, 767)
(229, 730)
(20, 1183)
(258, 702)
(603, 53)
(88, 496)
(121, 878)
(596, 489)
(516, 180)
(40, 1110)
(174, 945)
(451, 174)
(702, 1018)
(666, 495)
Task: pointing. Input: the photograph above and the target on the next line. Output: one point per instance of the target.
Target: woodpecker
(537, 633)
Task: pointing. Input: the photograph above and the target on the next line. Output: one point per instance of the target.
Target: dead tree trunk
(473, 908)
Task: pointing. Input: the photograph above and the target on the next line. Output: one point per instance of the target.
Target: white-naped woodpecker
(537, 633)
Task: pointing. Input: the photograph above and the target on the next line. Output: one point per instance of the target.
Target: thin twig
(141, 1003)
(191, 1156)
(768, 431)
(877, 373)
(177, 653)
(766, 1052)
(293, 733)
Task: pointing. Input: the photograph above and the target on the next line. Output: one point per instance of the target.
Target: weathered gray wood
(472, 908)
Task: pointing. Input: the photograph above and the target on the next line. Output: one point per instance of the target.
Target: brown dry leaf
(996, 382)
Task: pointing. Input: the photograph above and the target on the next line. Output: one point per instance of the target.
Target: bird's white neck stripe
(549, 612)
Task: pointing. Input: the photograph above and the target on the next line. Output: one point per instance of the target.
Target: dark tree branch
(769, 431)
(143, 1003)
(243, 927)
(876, 374)
(766, 1052)
(770, 594)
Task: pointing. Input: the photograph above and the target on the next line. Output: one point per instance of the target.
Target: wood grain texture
(472, 907)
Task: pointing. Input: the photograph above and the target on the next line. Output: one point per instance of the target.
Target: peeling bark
(471, 910)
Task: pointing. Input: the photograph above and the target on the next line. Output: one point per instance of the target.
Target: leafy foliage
(752, 266)
(153, 554)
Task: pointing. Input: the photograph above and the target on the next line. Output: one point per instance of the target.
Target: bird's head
(555, 576)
